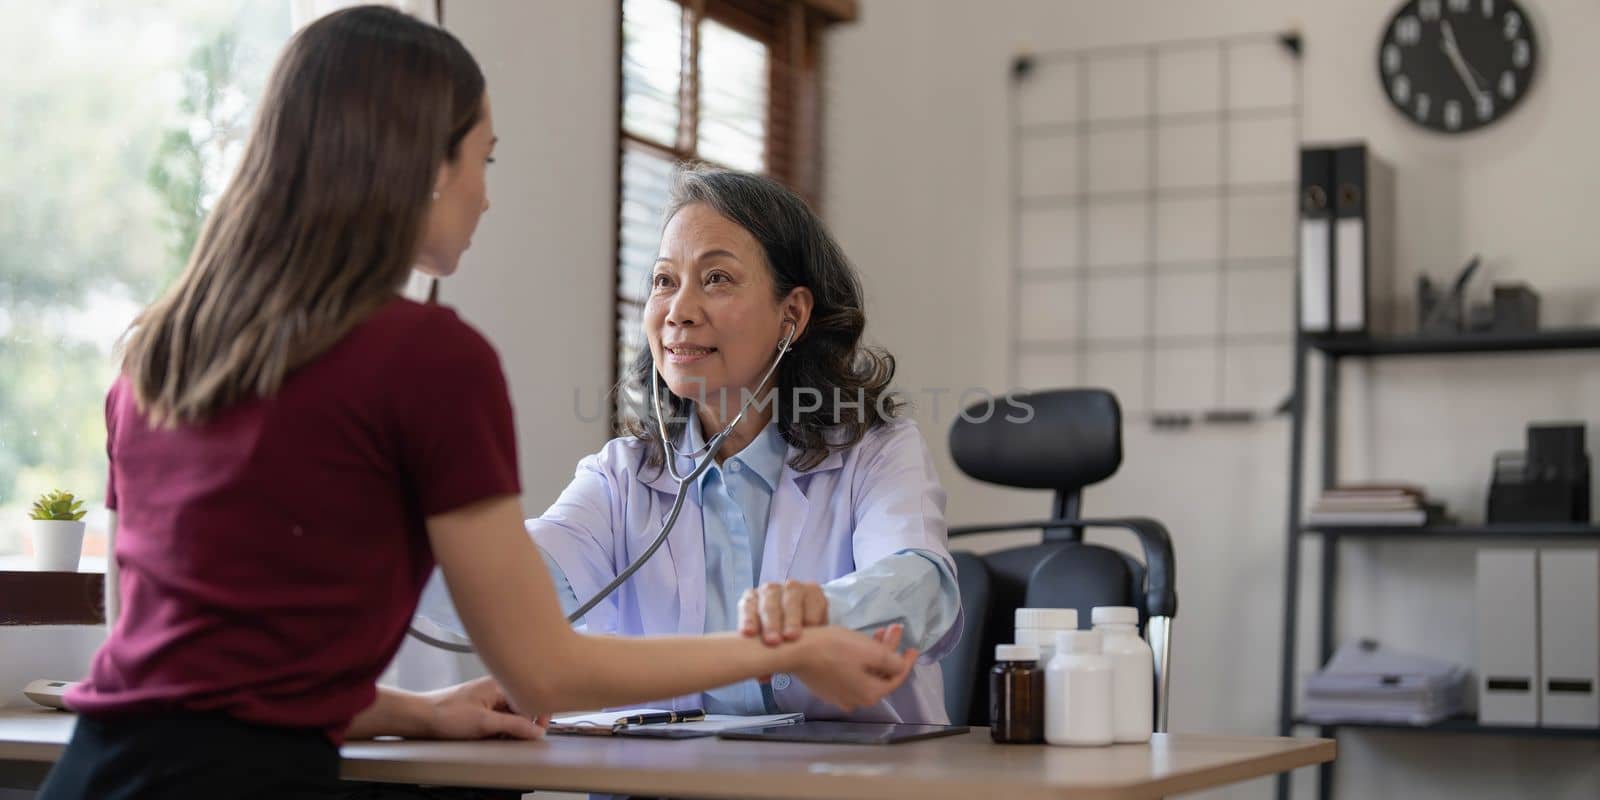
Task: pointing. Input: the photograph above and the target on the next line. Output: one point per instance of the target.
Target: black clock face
(1456, 65)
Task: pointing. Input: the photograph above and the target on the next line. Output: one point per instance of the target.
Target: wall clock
(1454, 66)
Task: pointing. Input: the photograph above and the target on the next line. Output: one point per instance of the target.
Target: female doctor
(821, 506)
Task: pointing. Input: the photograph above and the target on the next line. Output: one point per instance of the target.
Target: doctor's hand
(479, 709)
(777, 611)
(850, 670)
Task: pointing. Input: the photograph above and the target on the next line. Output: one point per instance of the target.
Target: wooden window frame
(792, 31)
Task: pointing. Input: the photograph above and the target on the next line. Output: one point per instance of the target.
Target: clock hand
(1479, 76)
(1465, 70)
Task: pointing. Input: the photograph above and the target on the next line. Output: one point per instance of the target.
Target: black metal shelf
(1463, 724)
(1335, 348)
(1504, 530)
(1550, 339)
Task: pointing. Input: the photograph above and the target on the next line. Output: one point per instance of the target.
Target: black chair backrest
(1083, 576)
(1073, 439)
(961, 665)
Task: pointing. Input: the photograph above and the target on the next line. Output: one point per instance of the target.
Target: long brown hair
(321, 223)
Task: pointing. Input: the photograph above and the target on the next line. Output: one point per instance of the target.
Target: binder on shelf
(1363, 213)
(1507, 612)
(1316, 239)
(1569, 637)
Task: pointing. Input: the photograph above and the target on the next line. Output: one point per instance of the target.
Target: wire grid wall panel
(1153, 213)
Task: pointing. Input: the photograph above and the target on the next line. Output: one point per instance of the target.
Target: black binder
(1315, 276)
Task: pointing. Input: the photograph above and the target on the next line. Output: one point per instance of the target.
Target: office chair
(961, 664)
(1072, 438)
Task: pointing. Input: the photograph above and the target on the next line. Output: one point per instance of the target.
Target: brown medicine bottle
(1016, 695)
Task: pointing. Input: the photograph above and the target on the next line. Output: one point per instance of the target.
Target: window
(728, 82)
(122, 122)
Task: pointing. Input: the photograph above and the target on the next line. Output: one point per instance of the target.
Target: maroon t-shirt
(271, 557)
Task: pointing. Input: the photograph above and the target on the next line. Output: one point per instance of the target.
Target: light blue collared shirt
(735, 497)
(911, 587)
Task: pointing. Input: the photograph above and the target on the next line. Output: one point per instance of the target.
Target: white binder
(1316, 275)
(1569, 637)
(1507, 612)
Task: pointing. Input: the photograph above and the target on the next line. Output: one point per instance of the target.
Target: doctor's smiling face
(713, 318)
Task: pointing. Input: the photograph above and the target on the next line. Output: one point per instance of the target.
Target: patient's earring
(436, 195)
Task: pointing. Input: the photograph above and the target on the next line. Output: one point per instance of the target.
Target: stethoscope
(670, 455)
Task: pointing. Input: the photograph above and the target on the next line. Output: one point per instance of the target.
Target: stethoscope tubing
(670, 456)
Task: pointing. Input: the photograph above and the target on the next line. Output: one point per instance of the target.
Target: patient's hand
(777, 611)
(479, 709)
(848, 670)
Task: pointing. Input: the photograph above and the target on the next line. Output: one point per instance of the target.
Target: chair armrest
(1161, 595)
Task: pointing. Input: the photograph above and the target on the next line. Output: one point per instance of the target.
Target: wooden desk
(954, 767)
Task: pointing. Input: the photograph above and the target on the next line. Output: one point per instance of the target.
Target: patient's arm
(505, 598)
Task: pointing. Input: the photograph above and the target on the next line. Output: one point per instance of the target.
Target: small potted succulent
(57, 528)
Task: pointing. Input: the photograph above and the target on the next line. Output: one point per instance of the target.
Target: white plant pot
(57, 544)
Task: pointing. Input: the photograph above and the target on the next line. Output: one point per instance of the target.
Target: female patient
(293, 445)
(821, 508)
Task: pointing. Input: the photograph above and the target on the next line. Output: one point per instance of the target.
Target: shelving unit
(1334, 349)
(1533, 531)
(1551, 339)
(1464, 724)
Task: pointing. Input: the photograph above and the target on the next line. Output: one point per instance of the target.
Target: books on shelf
(1375, 505)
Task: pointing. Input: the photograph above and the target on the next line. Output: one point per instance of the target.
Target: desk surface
(952, 767)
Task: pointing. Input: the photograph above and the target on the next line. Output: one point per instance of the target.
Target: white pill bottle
(1077, 692)
(1132, 672)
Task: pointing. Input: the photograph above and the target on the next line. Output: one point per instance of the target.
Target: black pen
(664, 717)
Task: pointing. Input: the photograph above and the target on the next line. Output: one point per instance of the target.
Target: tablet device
(845, 732)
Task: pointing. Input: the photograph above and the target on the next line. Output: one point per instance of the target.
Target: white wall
(538, 279)
(916, 189)
(31, 652)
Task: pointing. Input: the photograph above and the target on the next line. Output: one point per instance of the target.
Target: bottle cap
(1016, 652)
(1114, 615)
(1078, 642)
(1051, 618)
